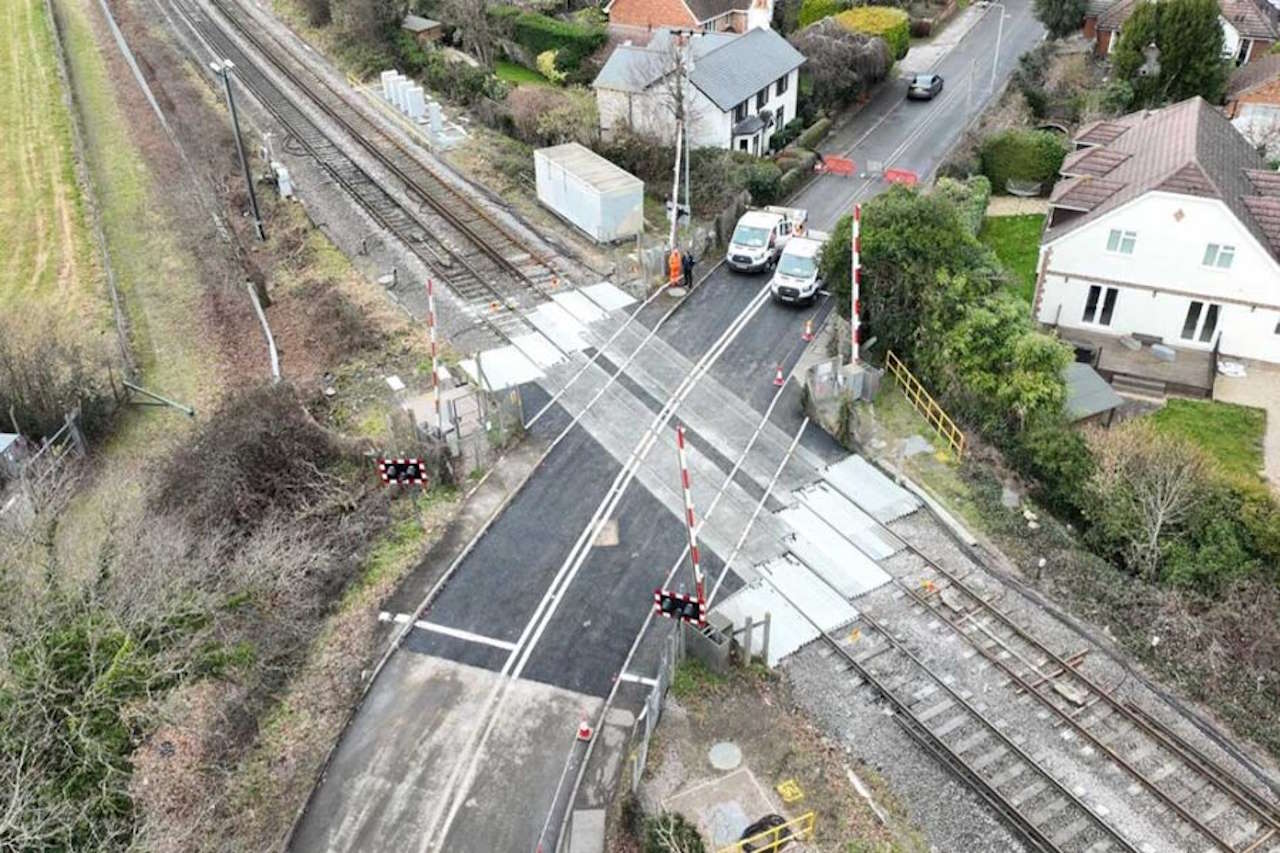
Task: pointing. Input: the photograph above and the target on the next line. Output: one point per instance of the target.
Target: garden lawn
(1230, 433)
(518, 74)
(50, 270)
(1016, 241)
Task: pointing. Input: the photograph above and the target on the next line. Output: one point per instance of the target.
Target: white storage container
(581, 186)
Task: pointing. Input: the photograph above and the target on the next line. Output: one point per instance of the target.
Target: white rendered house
(1162, 248)
(738, 89)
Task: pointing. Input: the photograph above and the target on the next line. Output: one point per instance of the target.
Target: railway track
(1208, 799)
(482, 262)
(941, 718)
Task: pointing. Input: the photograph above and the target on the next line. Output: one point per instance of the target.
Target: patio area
(1143, 370)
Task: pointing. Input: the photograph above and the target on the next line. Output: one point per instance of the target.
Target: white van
(760, 235)
(795, 279)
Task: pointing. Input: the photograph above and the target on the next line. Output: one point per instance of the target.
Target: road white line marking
(460, 634)
(638, 679)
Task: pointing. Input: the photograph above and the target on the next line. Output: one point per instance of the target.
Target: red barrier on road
(901, 176)
(835, 166)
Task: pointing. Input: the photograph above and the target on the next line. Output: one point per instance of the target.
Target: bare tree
(475, 26)
(1145, 486)
(842, 64)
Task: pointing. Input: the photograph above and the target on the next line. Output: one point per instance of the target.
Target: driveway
(1260, 388)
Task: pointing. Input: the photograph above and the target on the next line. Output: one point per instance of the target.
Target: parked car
(795, 278)
(760, 235)
(924, 86)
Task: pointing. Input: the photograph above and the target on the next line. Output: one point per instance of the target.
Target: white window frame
(1199, 331)
(1120, 234)
(1213, 254)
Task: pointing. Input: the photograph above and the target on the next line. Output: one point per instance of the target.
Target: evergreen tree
(1060, 17)
(1188, 34)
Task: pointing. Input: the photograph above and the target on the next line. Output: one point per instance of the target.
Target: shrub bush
(573, 40)
(782, 138)
(892, 25)
(814, 134)
(546, 64)
(812, 11)
(1022, 155)
(43, 378)
(546, 116)
(457, 81)
(970, 198)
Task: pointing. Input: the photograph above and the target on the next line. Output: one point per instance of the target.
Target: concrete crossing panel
(861, 482)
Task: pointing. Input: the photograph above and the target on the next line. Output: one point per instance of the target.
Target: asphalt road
(916, 135)
(398, 761)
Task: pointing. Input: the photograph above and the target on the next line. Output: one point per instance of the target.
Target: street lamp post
(223, 68)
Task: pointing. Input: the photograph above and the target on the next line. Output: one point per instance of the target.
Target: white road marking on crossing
(460, 634)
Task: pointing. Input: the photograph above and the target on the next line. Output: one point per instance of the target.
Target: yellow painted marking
(790, 791)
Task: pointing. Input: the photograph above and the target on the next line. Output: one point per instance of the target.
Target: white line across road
(456, 633)
(469, 757)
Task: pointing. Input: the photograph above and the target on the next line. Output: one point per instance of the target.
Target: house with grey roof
(737, 90)
(1161, 252)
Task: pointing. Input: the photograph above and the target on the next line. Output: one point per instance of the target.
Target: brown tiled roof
(1248, 19)
(1253, 74)
(706, 10)
(1189, 180)
(1094, 8)
(1189, 148)
(1084, 193)
(1266, 212)
(1264, 181)
(1099, 132)
(1093, 161)
(1115, 16)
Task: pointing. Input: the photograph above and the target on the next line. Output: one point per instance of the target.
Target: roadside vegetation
(184, 630)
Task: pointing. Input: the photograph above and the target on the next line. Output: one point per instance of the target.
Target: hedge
(970, 197)
(1022, 155)
(892, 25)
(812, 11)
(815, 134)
(538, 33)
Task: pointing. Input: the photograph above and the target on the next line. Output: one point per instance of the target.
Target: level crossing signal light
(402, 472)
(680, 605)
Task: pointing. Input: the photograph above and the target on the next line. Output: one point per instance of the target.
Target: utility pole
(223, 68)
(675, 184)
(683, 144)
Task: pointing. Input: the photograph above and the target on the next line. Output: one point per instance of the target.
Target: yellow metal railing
(771, 840)
(924, 403)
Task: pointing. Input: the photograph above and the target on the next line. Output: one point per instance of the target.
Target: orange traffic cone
(777, 377)
(808, 331)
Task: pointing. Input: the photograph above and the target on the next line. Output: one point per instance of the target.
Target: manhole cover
(725, 756)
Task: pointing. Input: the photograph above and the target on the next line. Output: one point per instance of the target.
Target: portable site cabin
(584, 188)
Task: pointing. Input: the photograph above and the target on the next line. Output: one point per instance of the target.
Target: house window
(779, 117)
(782, 84)
(1121, 241)
(740, 112)
(1216, 255)
(762, 98)
(1201, 321)
(1108, 301)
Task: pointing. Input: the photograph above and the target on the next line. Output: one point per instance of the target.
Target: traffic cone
(808, 331)
(584, 730)
(777, 377)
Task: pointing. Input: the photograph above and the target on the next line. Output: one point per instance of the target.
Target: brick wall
(1267, 93)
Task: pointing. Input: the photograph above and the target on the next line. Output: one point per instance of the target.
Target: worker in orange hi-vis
(675, 268)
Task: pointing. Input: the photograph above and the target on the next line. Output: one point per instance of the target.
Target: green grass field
(518, 74)
(50, 267)
(1016, 241)
(1229, 433)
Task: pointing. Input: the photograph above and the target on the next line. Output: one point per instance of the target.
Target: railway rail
(941, 718)
(1202, 794)
(493, 272)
